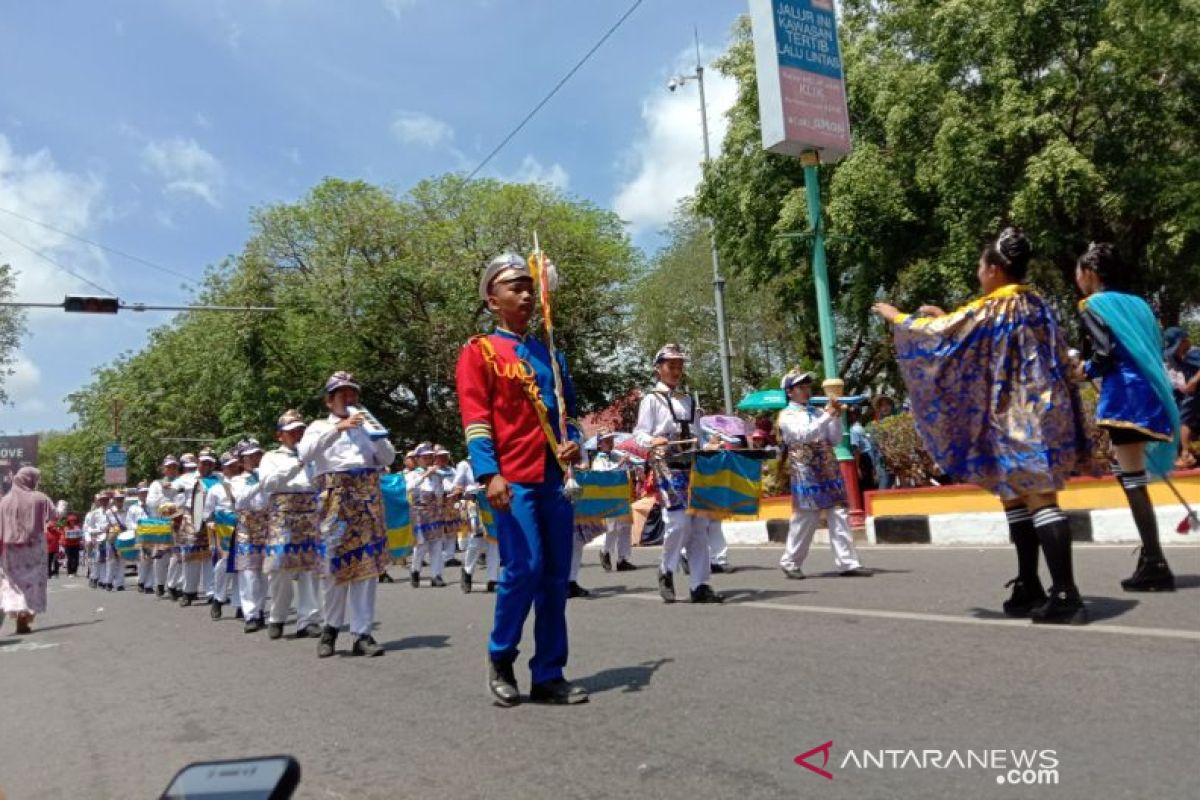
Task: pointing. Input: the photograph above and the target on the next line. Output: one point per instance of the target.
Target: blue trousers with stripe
(535, 548)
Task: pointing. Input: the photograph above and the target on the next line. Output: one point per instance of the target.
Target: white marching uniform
(655, 419)
(477, 543)
(427, 490)
(135, 514)
(248, 497)
(161, 491)
(618, 531)
(225, 583)
(193, 576)
(115, 518)
(817, 486)
(281, 472)
(95, 528)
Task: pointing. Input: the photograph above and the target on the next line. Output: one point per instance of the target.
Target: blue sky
(156, 127)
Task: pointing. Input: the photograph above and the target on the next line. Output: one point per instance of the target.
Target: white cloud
(292, 154)
(34, 187)
(665, 157)
(185, 167)
(416, 127)
(533, 171)
(397, 7)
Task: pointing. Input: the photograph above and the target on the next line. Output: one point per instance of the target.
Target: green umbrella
(764, 400)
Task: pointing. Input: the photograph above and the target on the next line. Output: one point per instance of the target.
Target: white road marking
(1122, 630)
(26, 646)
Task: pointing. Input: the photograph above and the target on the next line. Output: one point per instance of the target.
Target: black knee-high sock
(1054, 533)
(1134, 484)
(1024, 538)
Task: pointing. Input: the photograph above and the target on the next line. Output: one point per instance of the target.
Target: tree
(1076, 119)
(673, 301)
(12, 327)
(383, 286)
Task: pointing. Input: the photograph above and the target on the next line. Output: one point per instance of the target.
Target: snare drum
(127, 545)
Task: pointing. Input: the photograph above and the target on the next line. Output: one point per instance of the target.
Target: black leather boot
(1151, 575)
(502, 683)
(1026, 596)
(329, 636)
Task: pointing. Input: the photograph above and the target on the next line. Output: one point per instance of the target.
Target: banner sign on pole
(801, 88)
(116, 460)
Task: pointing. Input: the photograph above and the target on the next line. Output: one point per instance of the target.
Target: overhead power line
(554, 91)
(57, 265)
(100, 246)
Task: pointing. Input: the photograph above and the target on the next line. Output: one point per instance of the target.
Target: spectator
(1183, 369)
(54, 539)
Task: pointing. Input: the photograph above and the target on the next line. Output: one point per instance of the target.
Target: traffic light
(91, 305)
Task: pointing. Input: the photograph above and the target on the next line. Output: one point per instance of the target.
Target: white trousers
(718, 549)
(145, 573)
(162, 570)
(191, 576)
(436, 550)
(253, 588)
(618, 539)
(361, 597)
(175, 572)
(207, 574)
(308, 609)
(686, 531)
(116, 570)
(800, 535)
(227, 586)
(477, 545)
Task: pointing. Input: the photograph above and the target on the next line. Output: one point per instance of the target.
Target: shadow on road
(1187, 581)
(874, 571)
(627, 679)
(1099, 608)
(752, 595)
(607, 591)
(418, 643)
(40, 629)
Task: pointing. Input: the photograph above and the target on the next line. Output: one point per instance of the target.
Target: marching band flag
(155, 532)
(224, 523)
(396, 516)
(605, 495)
(487, 517)
(724, 485)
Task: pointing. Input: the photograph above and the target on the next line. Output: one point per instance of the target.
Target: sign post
(116, 461)
(803, 112)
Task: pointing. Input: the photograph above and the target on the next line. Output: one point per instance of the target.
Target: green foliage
(384, 286)
(1076, 119)
(12, 326)
(72, 466)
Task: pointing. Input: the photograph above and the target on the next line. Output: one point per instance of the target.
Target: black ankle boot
(1026, 596)
(502, 683)
(1151, 575)
(1063, 607)
(328, 639)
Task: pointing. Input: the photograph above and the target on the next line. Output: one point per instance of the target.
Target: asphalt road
(115, 691)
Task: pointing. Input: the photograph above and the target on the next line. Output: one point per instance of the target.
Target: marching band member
(816, 479)
(423, 496)
(161, 491)
(250, 503)
(135, 514)
(225, 577)
(114, 525)
(292, 553)
(665, 415)
(477, 540)
(184, 486)
(507, 397)
(618, 531)
(196, 557)
(346, 465)
(95, 535)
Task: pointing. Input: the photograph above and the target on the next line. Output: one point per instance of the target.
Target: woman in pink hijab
(24, 512)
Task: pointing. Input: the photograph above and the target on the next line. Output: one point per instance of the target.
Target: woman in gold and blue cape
(992, 399)
(1136, 405)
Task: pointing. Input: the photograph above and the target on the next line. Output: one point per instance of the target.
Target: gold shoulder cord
(523, 372)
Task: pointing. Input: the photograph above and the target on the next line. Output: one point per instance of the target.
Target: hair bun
(1014, 245)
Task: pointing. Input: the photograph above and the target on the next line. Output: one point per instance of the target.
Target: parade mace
(538, 264)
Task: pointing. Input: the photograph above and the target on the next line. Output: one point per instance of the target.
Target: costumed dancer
(346, 465)
(508, 394)
(250, 503)
(95, 532)
(816, 480)
(1136, 405)
(618, 534)
(292, 542)
(479, 543)
(668, 415)
(226, 588)
(161, 491)
(1182, 361)
(991, 396)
